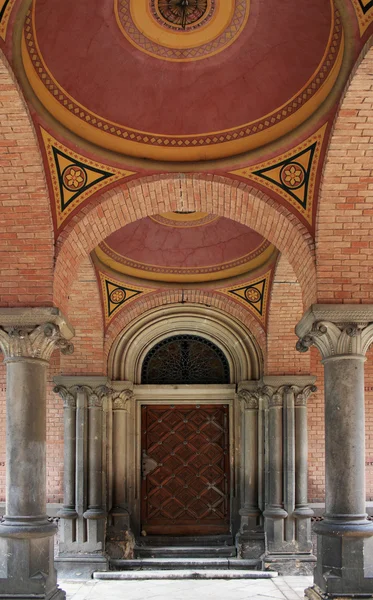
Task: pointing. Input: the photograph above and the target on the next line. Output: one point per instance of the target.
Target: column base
(78, 567)
(250, 545)
(27, 569)
(293, 564)
(314, 593)
(345, 566)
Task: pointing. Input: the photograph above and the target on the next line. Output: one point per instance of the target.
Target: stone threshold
(184, 574)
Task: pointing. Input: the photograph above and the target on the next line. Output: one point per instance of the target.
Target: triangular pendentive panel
(291, 175)
(75, 178)
(116, 294)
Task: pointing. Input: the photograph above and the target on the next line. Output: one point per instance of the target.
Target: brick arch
(26, 240)
(167, 297)
(345, 214)
(170, 192)
(285, 311)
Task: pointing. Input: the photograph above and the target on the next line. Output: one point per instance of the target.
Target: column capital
(336, 330)
(121, 398)
(249, 399)
(95, 394)
(34, 333)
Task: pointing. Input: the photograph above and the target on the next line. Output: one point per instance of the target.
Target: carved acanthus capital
(337, 339)
(33, 342)
(121, 398)
(95, 396)
(274, 396)
(69, 399)
(249, 399)
(302, 394)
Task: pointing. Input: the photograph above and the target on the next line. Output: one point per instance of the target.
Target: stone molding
(95, 395)
(336, 330)
(249, 400)
(302, 388)
(120, 399)
(33, 342)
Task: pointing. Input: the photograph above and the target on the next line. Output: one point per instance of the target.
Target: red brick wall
(26, 239)
(344, 238)
(86, 317)
(286, 310)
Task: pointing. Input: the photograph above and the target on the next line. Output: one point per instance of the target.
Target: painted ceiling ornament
(364, 13)
(185, 14)
(253, 295)
(116, 294)
(6, 7)
(293, 174)
(102, 105)
(74, 177)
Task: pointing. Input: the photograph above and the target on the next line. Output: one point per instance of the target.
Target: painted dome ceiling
(182, 247)
(227, 77)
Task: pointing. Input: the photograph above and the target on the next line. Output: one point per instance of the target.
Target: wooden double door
(185, 469)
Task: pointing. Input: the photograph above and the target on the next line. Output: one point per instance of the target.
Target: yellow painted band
(154, 31)
(185, 277)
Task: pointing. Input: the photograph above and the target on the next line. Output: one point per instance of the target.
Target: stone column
(28, 338)
(287, 514)
(251, 535)
(120, 538)
(274, 513)
(83, 519)
(342, 334)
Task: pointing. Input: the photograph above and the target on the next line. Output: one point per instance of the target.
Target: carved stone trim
(302, 394)
(120, 399)
(336, 339)
(69, 400)
(95, 396)
(33, 342)
(249, 399)
(336, 330)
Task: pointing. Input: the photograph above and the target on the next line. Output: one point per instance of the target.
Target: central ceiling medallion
(183, 14)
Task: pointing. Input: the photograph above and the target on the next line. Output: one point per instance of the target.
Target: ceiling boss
(183, 13)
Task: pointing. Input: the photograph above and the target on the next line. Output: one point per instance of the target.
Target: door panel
(185, 469)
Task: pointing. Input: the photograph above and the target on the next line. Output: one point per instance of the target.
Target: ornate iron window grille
(185, 359)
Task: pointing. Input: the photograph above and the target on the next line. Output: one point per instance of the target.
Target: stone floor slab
(280, 588)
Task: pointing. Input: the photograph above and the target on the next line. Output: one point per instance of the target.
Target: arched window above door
(185, 359)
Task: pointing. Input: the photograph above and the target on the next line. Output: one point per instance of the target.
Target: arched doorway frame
(125, 362)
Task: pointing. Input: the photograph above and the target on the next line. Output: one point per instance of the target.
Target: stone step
(185, 551)
(185, 540)
(184, 574)
(159, 564)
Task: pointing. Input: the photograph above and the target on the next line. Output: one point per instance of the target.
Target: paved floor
(280, 588)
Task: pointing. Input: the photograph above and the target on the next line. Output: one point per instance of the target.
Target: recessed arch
(171, 192)
(129, 350)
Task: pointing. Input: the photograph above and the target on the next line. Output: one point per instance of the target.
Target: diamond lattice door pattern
(185, 470)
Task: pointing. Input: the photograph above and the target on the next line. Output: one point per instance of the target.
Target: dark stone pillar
(26, 536)
(287, 514)
(83, 517)
(120, 539)
(250, 539)
(342, 334)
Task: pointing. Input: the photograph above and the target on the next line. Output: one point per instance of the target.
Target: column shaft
(26, 438)
(344, 437)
